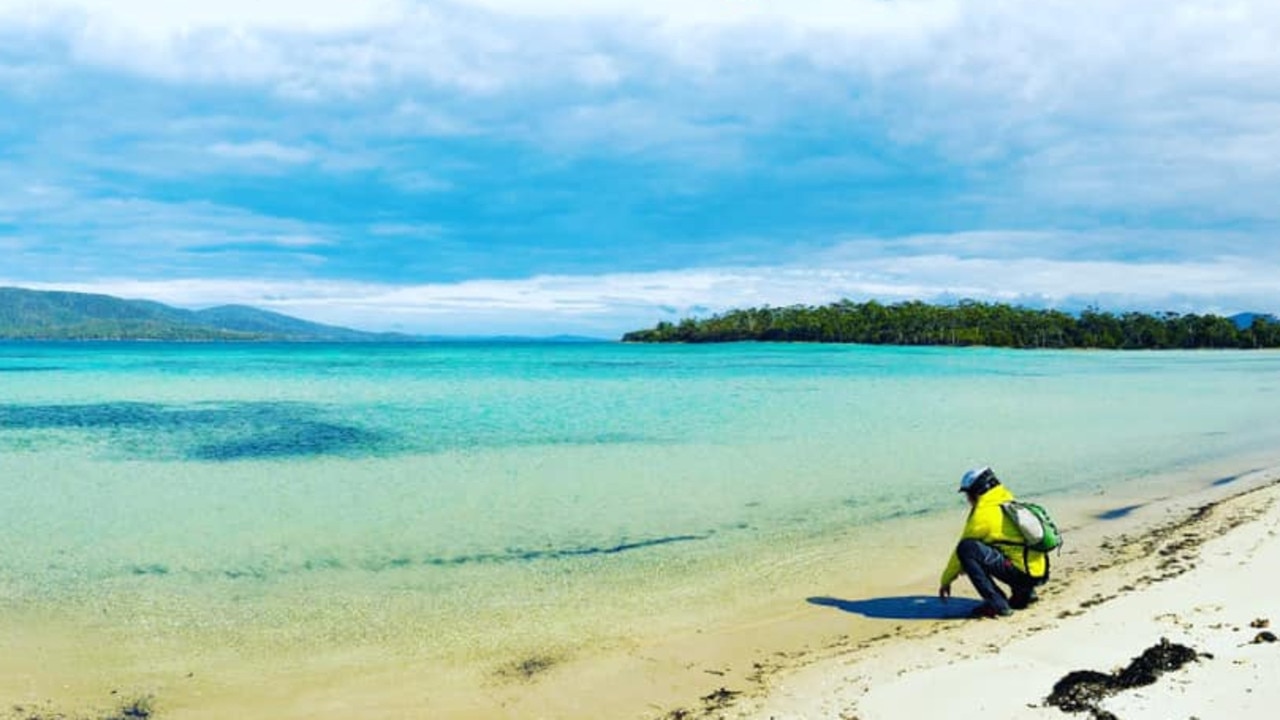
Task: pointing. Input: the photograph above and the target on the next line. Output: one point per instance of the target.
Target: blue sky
(564, 166)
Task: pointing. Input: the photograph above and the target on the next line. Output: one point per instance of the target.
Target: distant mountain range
(1244, 320)
(37, 315)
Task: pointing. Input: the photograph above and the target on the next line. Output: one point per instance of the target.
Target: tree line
(968, 323)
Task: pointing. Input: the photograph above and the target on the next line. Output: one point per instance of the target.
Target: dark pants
(984, 565)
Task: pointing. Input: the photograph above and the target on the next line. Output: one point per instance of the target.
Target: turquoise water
(434, 474)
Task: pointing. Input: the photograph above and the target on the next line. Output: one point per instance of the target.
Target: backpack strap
(1026, 559)
(1026, 563)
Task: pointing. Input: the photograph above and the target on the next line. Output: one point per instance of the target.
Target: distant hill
(1245, 319)
(36, 315)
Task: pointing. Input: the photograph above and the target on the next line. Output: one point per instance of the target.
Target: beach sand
(854, 635)
(1199, 576)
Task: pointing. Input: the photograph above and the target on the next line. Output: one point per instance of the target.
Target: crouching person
(992, 549)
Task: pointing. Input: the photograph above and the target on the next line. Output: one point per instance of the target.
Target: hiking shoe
(989, 611)
(1021, 600)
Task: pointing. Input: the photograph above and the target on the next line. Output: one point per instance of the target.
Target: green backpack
(1039, 531)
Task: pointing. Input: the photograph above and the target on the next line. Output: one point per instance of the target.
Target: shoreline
(727, 667)
(1198, 579)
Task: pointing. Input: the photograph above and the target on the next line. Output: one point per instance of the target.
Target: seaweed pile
(1084, 690)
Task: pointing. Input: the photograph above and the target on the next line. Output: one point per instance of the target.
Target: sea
(295, 515)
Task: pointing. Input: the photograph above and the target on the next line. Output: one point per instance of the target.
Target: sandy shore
(852, 636)
(1202, 577)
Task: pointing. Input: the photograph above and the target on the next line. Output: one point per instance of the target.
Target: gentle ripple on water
(236, 462)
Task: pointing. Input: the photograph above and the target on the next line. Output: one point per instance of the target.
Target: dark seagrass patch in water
(266, 570)
(519, 555)
(29, 368)
(210, 432)
(302, 439)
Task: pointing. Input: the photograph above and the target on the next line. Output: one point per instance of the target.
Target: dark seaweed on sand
(1084, 690)
(140, 708)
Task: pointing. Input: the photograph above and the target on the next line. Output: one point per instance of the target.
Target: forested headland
(970, 323)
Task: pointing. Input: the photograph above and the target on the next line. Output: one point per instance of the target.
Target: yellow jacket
(988, 523)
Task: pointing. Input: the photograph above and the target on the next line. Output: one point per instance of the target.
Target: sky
(588, 167)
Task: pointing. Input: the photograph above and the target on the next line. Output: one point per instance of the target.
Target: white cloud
(107, 233)
(409, 230)
(1034, 55)
(609, 304)
(419, 181)
(327, 16)
(262, 150)
(1093, 88)
(597, 69)
(304, 51)
(979, 78)
(151, 19)
(869, 16)
(630, 127)
(26, 79)
(297, 241)
(1080, 246)
(412, 118)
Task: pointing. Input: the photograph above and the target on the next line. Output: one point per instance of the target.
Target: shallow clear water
(443, 479)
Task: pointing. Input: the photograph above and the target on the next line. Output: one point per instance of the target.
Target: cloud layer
(561, 165)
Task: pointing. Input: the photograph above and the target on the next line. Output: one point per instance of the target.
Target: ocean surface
(435, 498)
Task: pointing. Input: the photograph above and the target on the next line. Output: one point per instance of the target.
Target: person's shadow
(907, 607)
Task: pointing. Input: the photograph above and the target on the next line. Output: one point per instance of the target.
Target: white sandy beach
(1205, 579)
(1190, 561)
